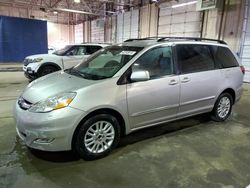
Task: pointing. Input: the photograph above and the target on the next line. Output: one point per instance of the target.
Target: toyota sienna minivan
(126, 87)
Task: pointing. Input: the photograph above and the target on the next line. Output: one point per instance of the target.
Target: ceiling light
(184, 4)
(77, 1)
(74, 11)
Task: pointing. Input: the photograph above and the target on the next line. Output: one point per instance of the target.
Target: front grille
(24, 104)
(27, 61)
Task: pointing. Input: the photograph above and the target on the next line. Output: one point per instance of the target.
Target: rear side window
(92, 49)
(224, 57)
(194, 58)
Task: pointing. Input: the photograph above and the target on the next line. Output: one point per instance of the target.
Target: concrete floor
(194, 152)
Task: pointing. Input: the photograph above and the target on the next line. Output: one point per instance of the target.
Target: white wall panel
(127, 25)
(60, 35)
(78, 33)
(180, 21)
(246, 44)
(97, 31)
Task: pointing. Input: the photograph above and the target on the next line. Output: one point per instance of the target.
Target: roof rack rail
(146, 38)
(191, 38)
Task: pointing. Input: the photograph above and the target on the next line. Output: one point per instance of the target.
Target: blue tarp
(21, 37)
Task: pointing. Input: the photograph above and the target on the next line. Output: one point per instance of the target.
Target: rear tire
(222, 108)
(46, 70)
(97, 137)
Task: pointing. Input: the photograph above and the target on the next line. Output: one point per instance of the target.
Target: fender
(49, 63)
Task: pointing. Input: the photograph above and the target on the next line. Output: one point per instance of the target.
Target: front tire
(222, 108)
(97, 137)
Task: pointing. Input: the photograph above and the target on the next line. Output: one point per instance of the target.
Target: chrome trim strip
(154, 110)
(198, 100)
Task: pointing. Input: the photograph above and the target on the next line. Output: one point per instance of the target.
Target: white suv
(39, 65)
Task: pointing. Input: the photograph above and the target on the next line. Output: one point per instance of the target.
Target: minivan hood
(53, 84)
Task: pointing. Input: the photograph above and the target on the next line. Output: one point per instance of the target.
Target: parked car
(39, 65)
(123, 88)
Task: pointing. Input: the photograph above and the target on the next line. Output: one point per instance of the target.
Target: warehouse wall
(227, 25)
(148, 21)
(60, 35)
(78, 29)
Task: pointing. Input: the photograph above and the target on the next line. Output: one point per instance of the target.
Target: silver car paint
(141, 104)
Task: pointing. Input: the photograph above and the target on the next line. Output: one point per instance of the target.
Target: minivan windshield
(62, 51)
(105, 63)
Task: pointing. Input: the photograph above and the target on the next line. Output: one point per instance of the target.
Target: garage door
(127, 25)
(97, 30)
(246, 44)
(179, 20)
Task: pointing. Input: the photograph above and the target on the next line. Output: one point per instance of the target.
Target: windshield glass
(63, 50)
(105, 63)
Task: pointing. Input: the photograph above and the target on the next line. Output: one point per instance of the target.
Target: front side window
(92, 49)
(105, 63)
(224, 57)
(77, 50)
(63, 51)
(194, 58)
(158, 62)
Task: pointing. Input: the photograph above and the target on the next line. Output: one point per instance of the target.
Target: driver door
(74, 56)
(157, 99)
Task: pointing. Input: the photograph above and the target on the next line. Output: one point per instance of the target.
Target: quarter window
(194, 58)
(224, 57)
(158, 62)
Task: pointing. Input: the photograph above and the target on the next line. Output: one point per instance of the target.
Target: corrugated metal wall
(87, 31)
(127, 25)
(78, 33)
(179, 21)
(148, 21)
(246, 43)
(97, 30)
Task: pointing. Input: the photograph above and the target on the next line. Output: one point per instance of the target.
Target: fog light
(43, 140)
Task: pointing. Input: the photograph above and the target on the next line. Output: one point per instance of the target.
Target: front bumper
(52, 131)
(30, 70)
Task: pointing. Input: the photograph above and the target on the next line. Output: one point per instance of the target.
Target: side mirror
(139, 76)
(70, 54)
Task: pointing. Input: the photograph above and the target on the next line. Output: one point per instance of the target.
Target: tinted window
(224, 57)
(158, 62)
(77, 50)
(194, 58)
(92, 49)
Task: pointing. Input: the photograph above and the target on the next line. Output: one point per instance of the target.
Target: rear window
(194, 58)
(224, 57)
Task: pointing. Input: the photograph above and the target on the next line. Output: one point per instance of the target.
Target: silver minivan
(126, 87)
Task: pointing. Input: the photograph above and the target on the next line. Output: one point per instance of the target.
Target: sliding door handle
(173, 82)
(185, 79)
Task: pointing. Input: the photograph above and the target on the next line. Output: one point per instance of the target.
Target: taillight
(243, 70)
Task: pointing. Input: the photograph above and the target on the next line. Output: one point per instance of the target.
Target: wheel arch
(49, 64)
(231, 92)
(113, 112)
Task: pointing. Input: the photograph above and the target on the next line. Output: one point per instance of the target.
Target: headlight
(53, 103)
(37, 60)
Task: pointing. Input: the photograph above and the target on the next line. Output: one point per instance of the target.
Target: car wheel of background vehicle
(46, 70)
(97, 137)
(223, 107)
